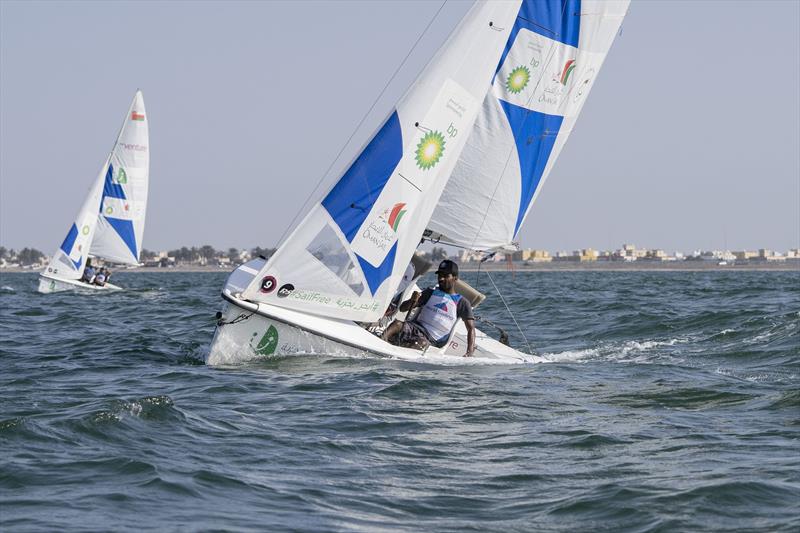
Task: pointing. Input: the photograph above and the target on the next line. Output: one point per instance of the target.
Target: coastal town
(627, 256)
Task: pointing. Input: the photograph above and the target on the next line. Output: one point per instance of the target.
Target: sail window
(328, 250)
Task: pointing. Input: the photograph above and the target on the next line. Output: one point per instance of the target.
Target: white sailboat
(460, 160)
(110, 223)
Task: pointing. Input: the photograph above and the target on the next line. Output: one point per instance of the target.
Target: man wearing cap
(441, 308)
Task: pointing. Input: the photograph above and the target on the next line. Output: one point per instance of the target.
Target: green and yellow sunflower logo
(518, 79)
(430, 150)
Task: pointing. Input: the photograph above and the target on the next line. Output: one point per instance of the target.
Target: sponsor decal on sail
(136, 116)
(430, 150)
(396, 215)
(568, 68)
(518, 79)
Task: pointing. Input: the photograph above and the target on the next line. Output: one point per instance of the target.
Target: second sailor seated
(441, 308)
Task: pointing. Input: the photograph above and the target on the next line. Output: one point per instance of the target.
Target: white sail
(120, 226)
(70, 258)
(347, 256)
(110, 222)
(548, 67)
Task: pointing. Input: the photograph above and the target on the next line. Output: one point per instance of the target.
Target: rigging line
(377, 99)
(545, 65)
(528, 344)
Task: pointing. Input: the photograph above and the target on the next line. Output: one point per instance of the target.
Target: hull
(248, 332)
(48, 285)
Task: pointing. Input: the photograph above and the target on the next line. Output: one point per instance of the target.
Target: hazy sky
(689, 139)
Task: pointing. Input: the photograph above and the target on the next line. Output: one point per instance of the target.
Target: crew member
(441, 308)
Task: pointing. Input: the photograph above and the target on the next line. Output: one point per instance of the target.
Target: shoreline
(692, 266)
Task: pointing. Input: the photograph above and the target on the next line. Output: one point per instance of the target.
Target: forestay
(346, 258)
(548, 67)
(110, 223)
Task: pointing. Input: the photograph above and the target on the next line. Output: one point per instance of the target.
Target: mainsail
(346, 258)
(463, 156)
(110, 223)
(548, 67)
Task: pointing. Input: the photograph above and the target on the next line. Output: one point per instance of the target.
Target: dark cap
(447, 267)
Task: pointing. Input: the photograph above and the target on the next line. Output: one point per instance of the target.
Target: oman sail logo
(568, 68)
(268, 343)
(429, 150)
(518, 79)
(394, 215)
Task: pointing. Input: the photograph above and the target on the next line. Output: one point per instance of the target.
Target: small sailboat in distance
(459, 161)
(110, 223)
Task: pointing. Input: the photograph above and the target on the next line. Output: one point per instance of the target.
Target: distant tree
(437, 254)
(266, 252)
(3, 252)
(233, 254)
(29, 256)
(147, 255)
(208, 252)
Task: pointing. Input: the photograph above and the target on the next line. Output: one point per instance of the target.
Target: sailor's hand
(414, 299)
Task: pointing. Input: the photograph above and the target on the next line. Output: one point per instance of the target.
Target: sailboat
(110, 223)
(460, 160)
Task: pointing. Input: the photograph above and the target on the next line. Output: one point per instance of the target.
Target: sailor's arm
(470, 324)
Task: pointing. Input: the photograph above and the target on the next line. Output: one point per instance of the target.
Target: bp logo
(518, 79)
(429, 150)
(85, 230)
(122, 177)
(268, 343)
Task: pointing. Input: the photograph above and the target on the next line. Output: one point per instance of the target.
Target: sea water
(671, 402)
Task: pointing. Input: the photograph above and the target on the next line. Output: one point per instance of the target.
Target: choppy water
(671, 404)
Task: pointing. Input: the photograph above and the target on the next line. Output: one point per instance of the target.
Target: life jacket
(100, 279)
(88, 274)
(438, 315)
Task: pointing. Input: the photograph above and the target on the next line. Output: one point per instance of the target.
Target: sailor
(441, 308)
(88, 272)
(100, 278)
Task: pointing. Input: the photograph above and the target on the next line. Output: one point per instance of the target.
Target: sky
(689, 140)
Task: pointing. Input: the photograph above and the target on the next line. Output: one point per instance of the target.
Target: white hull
(48, 285)
(249, 331)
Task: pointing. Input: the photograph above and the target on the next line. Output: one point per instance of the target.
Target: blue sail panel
(111, 189)
(557, 20)
(534, 136)
(69, 242)
(376, 275)
(124, 229)
(351, 199)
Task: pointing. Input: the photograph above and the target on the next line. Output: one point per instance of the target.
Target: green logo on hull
(268, 343)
